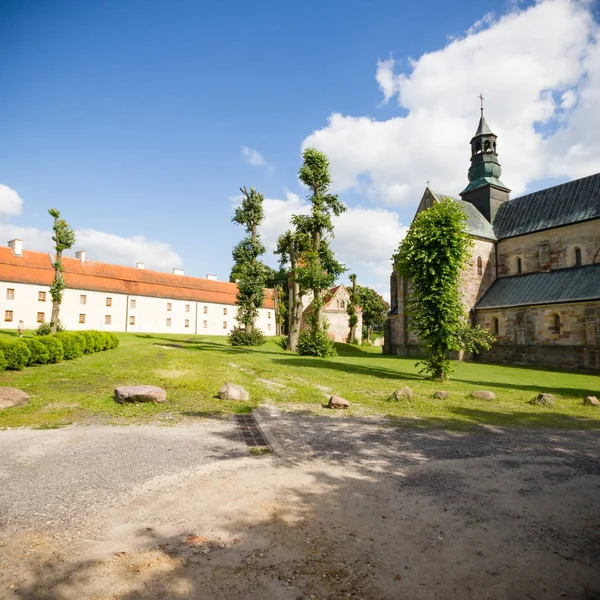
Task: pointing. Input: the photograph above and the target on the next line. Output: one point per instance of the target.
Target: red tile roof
(328, 298)
(36, 268)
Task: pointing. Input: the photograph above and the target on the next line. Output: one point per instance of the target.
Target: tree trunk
(56, 305)
(295, 307)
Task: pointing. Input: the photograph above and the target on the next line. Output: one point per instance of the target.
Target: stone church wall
(479, 274)
(551, 249)
(528, 335)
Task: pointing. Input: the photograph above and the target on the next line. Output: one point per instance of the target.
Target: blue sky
(140, 120)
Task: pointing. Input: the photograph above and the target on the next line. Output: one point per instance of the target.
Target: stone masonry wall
(479, 275)
(551, 249)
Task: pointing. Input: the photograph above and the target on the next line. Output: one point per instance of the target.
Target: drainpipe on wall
(196, 324)
(127, 313)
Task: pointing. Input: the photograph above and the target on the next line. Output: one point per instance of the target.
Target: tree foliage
(317, 269)
(250, 273)
(374, 308)
(432, 257)
(63, 238)
(351, 311)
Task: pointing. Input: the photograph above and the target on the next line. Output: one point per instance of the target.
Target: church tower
(485, 190)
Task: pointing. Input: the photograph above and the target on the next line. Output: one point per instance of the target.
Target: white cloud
(539, 70)
(99, 246)
(10, 202)
(254, 157)
(365, 238)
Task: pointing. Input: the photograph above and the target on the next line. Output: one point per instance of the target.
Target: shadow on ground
(404, 514)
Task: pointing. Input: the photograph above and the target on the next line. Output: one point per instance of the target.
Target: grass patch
(192, 369)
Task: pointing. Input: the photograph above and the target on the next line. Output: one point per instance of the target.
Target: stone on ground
(232, 391)
(483, 395)
(441, 395)
(591, 401)
(338, 402)
(404, 393)
(10, 397)
(543, 400)
(140, 393)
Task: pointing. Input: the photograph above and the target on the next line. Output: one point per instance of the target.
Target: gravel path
(350, 509)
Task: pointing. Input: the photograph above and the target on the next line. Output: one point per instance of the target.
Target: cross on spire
(481, 98)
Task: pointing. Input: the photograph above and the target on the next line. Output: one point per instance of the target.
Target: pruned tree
(290, 247)
(374, 309)
(351, 310)
(63, 238)
(318, 268)
(249, 271)
(432, 257)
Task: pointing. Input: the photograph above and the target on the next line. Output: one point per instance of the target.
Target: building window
(187, 322)
(169, 306)
(41, 317)
(269, 326)
(224, 311)
(168, 322)
(519, 265)
(82, 299)
(10, 294)
(224, 324)
(41, 296)
(479, 265)
(556, 323)
(269, 313)
(187, 308)
(82, 318)
(578, 256)
(8, 315)
(132, 320)
(109, 302)
(204, 324)
(107, 320)
(132, 304)
(496, 326)
(205, 309)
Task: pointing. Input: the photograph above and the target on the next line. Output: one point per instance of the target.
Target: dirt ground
(348, 509)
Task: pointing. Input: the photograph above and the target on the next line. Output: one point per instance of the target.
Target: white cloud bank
(99, 246)
(539, 70)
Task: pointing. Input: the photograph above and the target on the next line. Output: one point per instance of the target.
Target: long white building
(109, 297)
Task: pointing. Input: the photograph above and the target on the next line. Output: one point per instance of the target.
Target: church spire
(485, 190)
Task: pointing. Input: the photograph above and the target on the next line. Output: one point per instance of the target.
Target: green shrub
(237, 337)
(90, 341)
(43, 329)
(16, 353)
(39, 352)
(105, 339)
(73, 344)
(114, 340)
(2, 361)
(316, 344)
(54, 347)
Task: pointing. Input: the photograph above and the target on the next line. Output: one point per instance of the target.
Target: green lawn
(80, 391)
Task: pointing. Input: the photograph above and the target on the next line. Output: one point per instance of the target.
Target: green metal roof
(483, 128)
(477, 225)
(575, 284)
(564, 204)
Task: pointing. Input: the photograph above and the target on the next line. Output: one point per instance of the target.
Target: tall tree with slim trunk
(351, 310)
(374, 309)
(314, 173)
(250, 272)
(290, 247)
(63, 238)
(432, 257)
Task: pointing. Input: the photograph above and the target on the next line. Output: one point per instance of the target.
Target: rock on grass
(140, 393)
(232, 391)
(338, 402)
(10, 397)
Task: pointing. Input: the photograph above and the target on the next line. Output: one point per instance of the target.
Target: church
(534, 273)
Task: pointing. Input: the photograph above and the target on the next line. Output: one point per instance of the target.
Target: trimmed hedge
(67, 345)
(39, 352)
(16, 353)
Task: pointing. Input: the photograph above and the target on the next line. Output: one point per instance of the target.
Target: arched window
(556, 323)
(496, 326)
(577, 256)
(519, 265)
(479, 265)
(486, 146)
(494, 146)
(477, 147)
